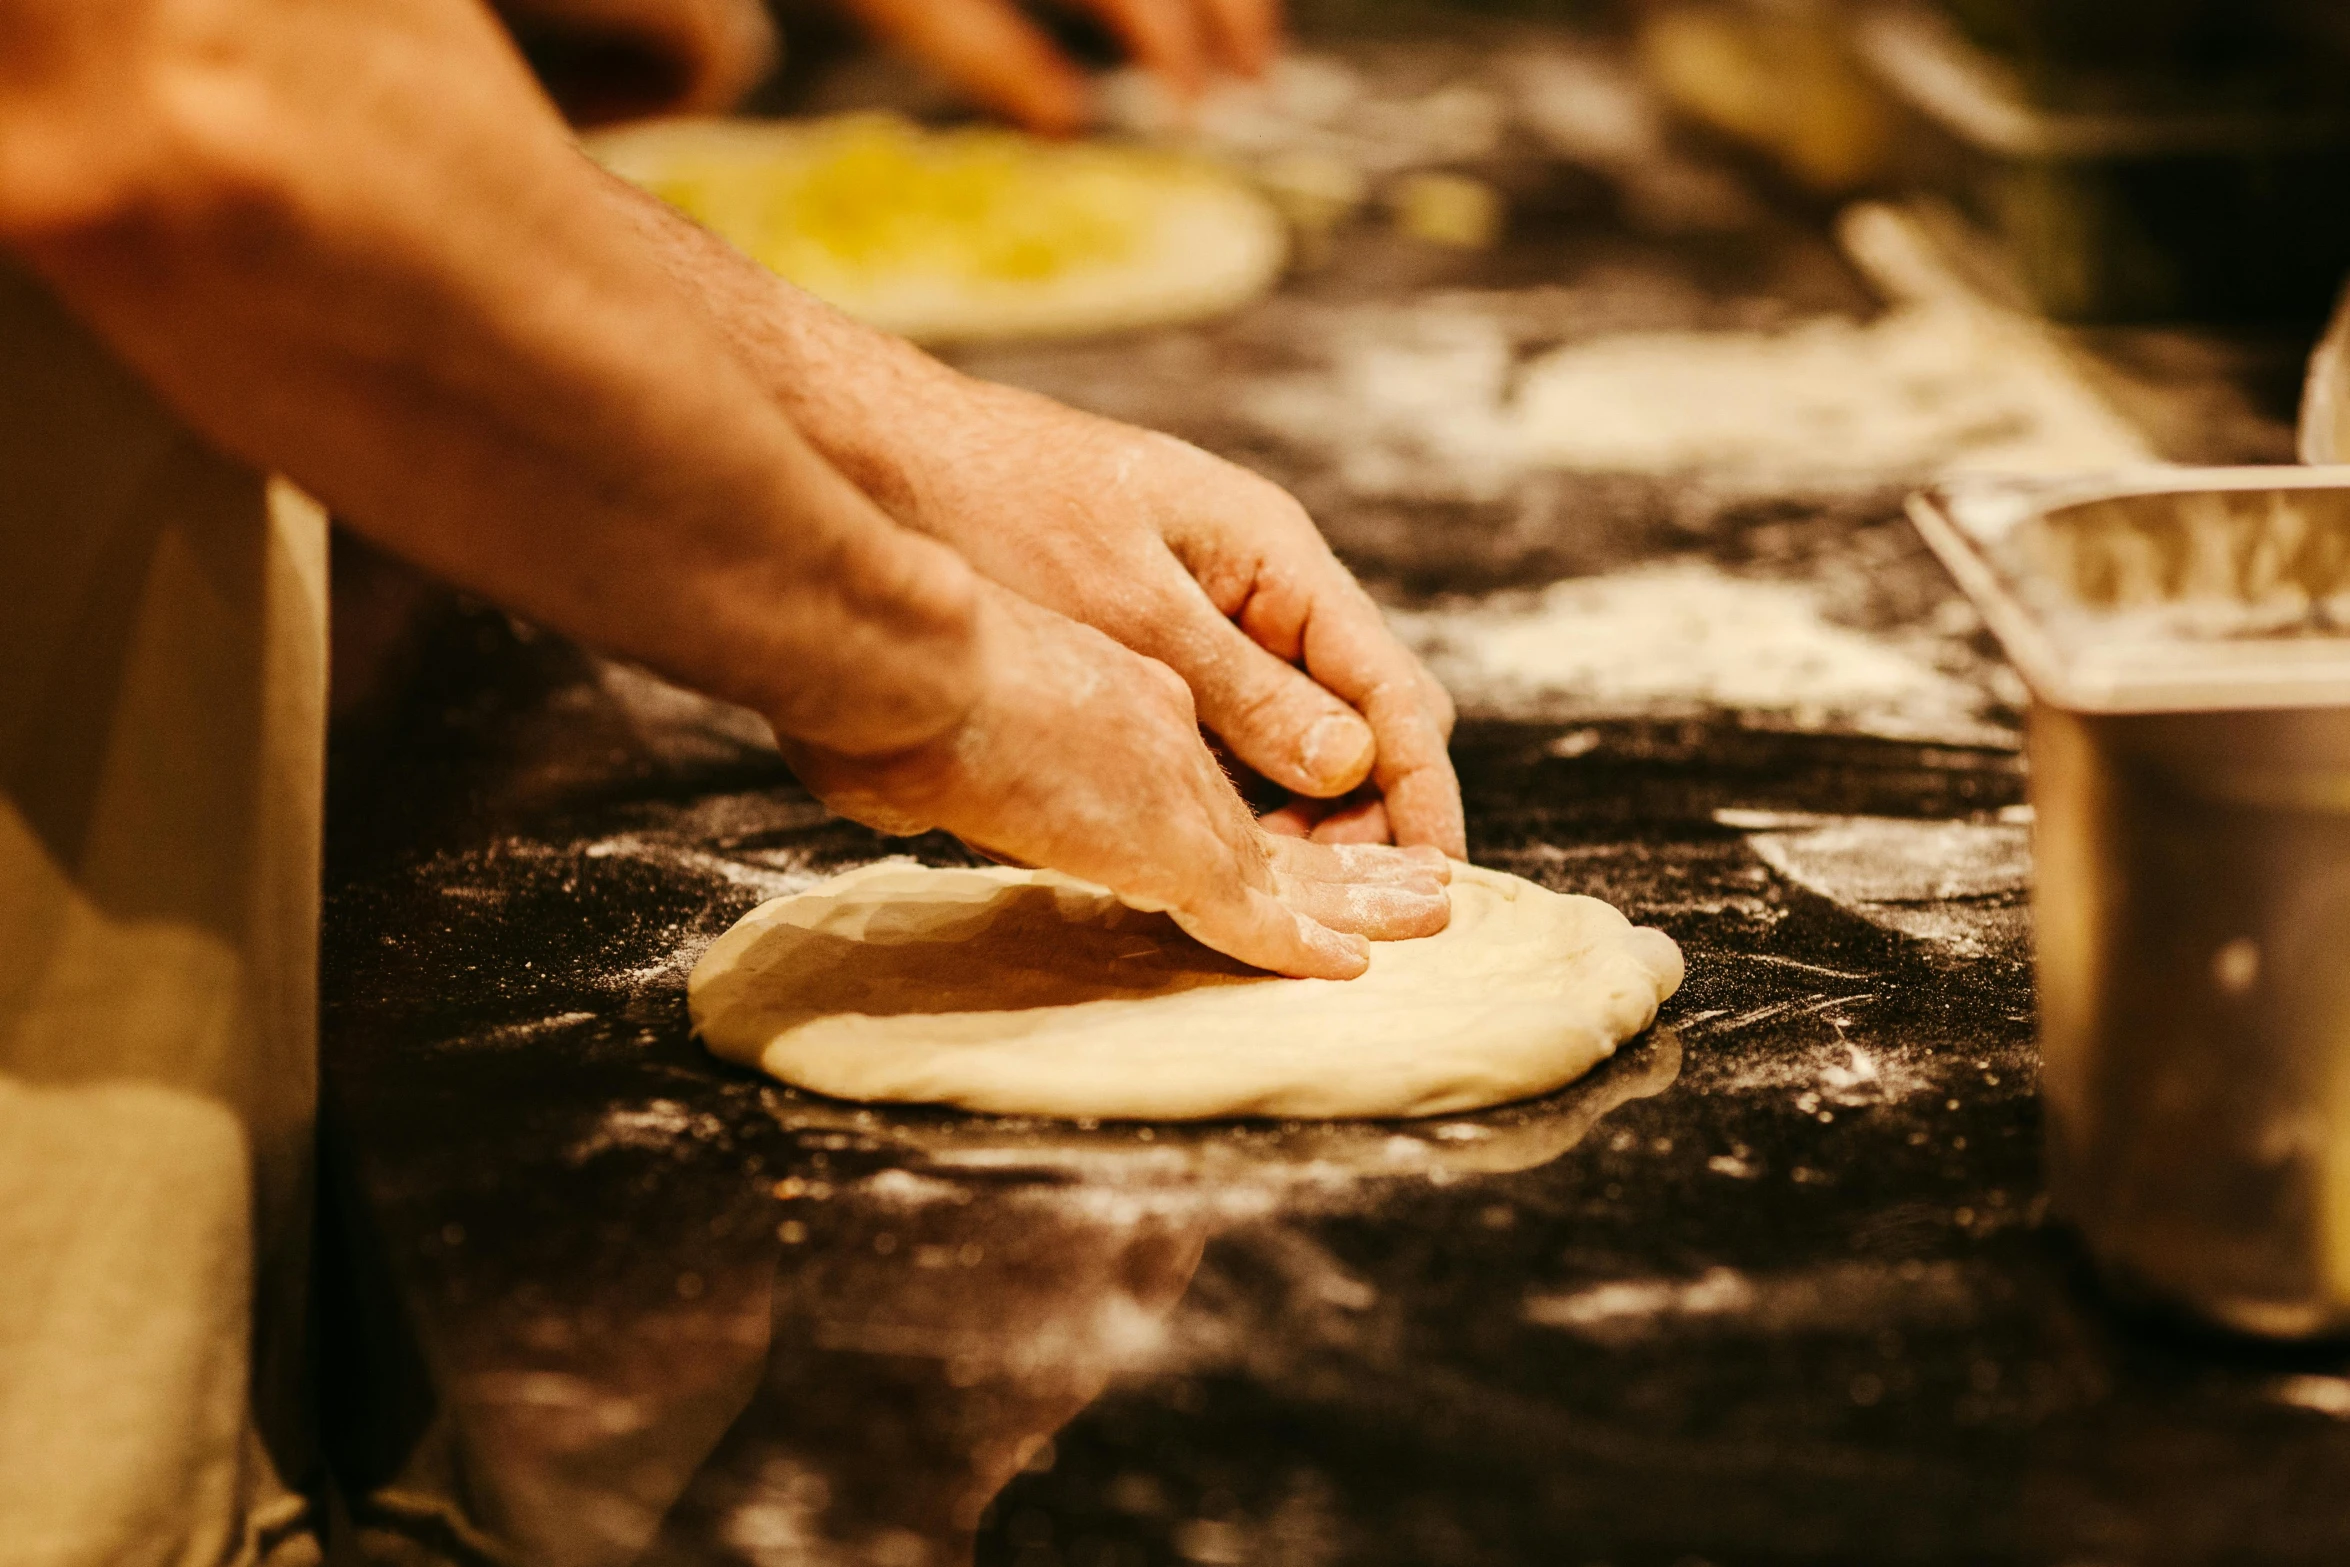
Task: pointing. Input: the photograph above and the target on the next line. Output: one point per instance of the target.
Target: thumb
(1273, 716)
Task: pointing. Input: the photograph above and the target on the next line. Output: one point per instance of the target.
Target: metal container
(2186, 637)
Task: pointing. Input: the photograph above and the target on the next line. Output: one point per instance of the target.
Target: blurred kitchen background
(1987, 224)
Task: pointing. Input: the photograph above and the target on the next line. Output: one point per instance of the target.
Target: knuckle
(1261, 699)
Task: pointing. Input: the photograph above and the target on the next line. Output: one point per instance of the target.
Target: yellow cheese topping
(872, 195)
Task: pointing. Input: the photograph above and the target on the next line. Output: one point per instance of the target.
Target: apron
(162, 685)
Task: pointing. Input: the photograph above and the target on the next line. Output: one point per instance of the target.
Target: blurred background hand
(998, 55)
(611, 60)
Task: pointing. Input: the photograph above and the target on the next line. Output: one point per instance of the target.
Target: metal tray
(2164, 590)
(2186, 637)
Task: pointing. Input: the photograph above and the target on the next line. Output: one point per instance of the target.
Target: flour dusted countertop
(1770, 1286)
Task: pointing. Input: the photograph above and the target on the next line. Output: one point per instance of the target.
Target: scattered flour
(1875, 859)
(1072, 1344)
(1434, 401)
(1408, 404)
(1958, 886)
(665, 973)
(1594, 108)
(755, 871)
(1685, 635)
(1328, 129)
(1433, 404)
(1315, 106)
(656, 1124)
(769, 873)
(507, 1035)
(1600, 1308)
(1827, 1298)
(1922, 391)
(1963, 930)
(905, 1189)
(1840, 1073)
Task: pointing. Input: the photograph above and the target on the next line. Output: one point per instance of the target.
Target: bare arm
(1175, 553)
(352, 242)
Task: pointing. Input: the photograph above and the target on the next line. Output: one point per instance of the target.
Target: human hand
(1178, 555)
(1212, 571)
(1182, 557)
(1085, 756)
(1003, 60)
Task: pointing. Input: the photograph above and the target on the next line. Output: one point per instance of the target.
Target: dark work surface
(1773, 1286)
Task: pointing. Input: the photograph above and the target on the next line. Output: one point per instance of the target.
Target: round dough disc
(969, 234)
(1029, 993)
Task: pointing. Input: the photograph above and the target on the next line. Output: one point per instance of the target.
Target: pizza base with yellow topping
(966, 234)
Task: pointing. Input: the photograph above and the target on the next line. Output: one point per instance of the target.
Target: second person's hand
(1085, 756)
(1007, 63)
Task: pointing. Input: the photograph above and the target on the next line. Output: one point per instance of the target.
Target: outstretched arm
(1175, 553)
(353, 243)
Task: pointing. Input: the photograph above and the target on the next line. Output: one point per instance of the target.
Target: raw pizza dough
(966, 234)
(1029, 993)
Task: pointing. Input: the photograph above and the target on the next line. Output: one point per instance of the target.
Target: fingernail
(1337, 751)
(1431, 856)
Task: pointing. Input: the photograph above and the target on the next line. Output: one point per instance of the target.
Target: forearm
(1176, 554)
(889, 416)
(350, 243)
